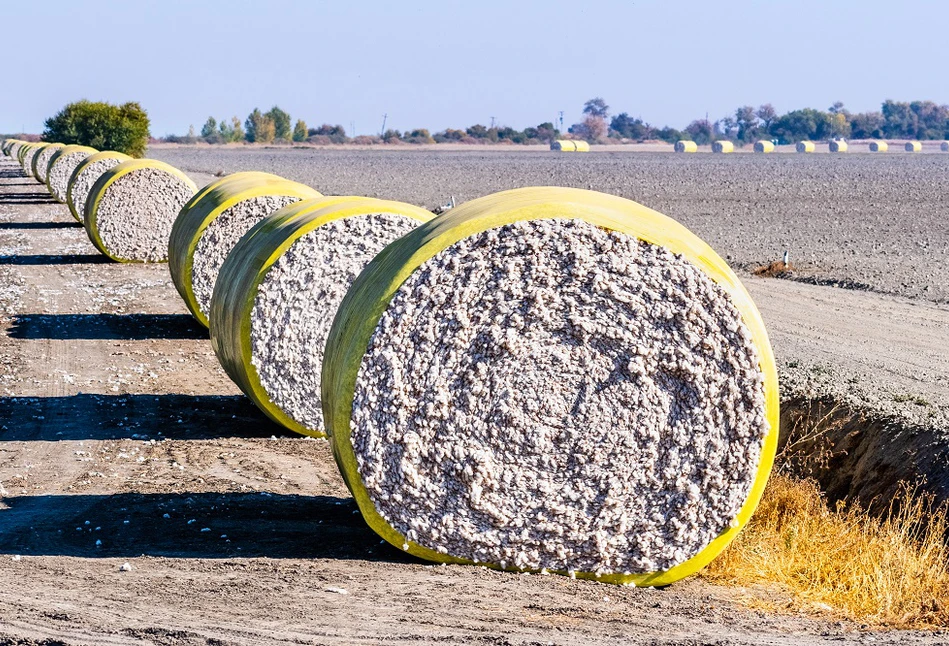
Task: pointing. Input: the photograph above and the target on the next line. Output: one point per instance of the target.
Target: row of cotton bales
(835, 146)
(544, 379)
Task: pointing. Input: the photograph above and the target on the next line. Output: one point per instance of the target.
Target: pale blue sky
(440, 64)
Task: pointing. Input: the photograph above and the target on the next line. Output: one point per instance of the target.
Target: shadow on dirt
(102, 417)
(40, 225)
(199, 525)
(129, 327)
(68, 259)
(26, 198)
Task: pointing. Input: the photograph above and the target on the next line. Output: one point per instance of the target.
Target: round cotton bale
(564, 145)
(61, 167)
(837, 146)
(279, 289)
(722, 146)
(913, 146)
(944, 146)
(84, 177)
(805, 147)
(685, 146)
(208, 228)
(764, 146)
(582, 146)
(26, 154)
(553, 379)
(10, 147)
(879, 146)
(40, 163)
(130, 209)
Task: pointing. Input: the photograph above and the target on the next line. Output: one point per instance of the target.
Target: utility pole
(492, 122)
(352, 128)
(384, 117)
(561, 121)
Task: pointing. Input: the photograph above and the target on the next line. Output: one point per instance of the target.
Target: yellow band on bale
(83, 165)
(564, 145)
(21, 152)
(764, 146)
(39, 167)
(723, 146)
(209, 203)
(805, 147)
(29, 153)
(913, 146)
(247, 266)
(370, 295)
(838, 146)
(58, 155)
(102, 185)
(686, 146)
(879, 147)
(582, 146)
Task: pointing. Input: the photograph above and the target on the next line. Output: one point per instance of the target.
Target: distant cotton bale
(684, 146)
(838, 146)
(28, 155)
(764, 147)
(582, 146)
(132, 207)
(61, 167)
(564, 145)
(805, 146)
(723, 147)
(913, 146)
(84, 177)
(41, 161)
(212, 222)
(944, 146)
(879, 146)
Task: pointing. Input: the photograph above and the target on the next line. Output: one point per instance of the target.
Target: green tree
(225, 131)
(265, 130)
(596, 107)
(281, 121)
(700, 131)
(627, 127)
(746, 120)
(238, 131)
(766, 114)
(209, 128)
(477, 131)
(101, 125)
(250, 125)
(300, 131)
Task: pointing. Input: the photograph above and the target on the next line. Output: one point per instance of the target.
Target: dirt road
(121, 441)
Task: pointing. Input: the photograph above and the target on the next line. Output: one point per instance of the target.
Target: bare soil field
(122, 441)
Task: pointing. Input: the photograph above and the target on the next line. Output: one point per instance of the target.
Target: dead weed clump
(888, 571)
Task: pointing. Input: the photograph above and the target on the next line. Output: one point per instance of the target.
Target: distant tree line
(895, 120)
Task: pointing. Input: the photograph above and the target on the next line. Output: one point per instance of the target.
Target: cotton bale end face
(913, 146)
(553, 379)
(723, 146)
(564, 145)
(764, 147)
(131, 208)
(685, 146)
(84, 177)
(29, 154)
(279, 289)
(61, 167)
(838, 146)
(879, 146)
(944, 146)
(210, 225)
(805, 147)
(40, 163)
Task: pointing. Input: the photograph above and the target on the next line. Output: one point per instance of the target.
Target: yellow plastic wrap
(65, 150)
(764, 146)
(582, 146)
(370, 294)
(28, 154)
(564, 145)
(838, 146)
(879, 147)
(39, 169)
(107, 179)
(21, 152)
(202, 210)
(247, 266)
(91, 159)
(723, 146)
(805, 147)
(913, 146)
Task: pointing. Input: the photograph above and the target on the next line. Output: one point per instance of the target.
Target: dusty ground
(121, 440)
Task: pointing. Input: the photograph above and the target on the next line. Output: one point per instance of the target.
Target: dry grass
(891, 571)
